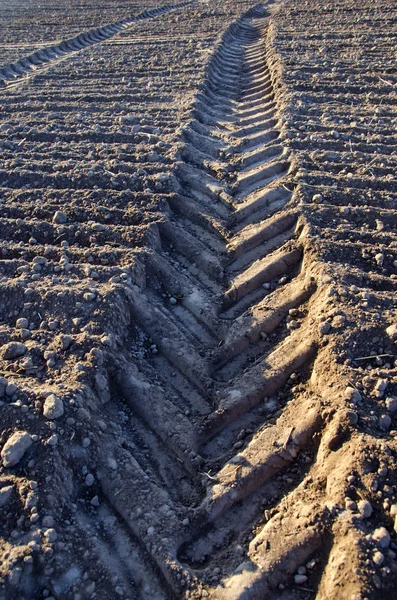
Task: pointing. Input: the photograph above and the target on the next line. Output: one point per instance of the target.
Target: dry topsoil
(198, 319)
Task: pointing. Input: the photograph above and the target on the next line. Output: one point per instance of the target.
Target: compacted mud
(198, 320)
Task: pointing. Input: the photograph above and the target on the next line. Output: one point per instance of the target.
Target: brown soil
(198, 322)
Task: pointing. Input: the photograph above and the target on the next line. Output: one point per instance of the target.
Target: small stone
(89, 296)
(51, 535)
(391, 404)
(379, 258)
(5, 495)
(48, 521)
(300, 579)
(11, 389)
(301, 570)
(393, 510)
(22, 324)
(173, 300)
(311, 564)
(59, 217)
(324, 328)
(86, 442)
(364, 508)
(378, 558)
(53, 407)
(353, 395)
(350, 504)
(381, 537)
(384, 422)
(95, 501)
(15, 447)
(380, 386)
(89, 480)
(52, 325)
(13, 350)
(392, 331)
(317, 198)
(53, 440)
(185, 522)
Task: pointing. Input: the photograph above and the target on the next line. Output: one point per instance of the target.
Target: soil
(198, 319)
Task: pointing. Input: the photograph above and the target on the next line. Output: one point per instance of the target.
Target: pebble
(48, 521)
(11, 389)
(311, 564)
(59, 217)
(392, 331)
(380, 386)
(15, 447)
(89, 480)
(89, 296)
(381, 537)
(391, 404)
(384, 422)
(379, 258)
(393, 510)
(53, 407)
(352, 395)
(53, 440)
(378, 558)
(22, 323)
(13, 350)
(51, 535)
(5, 495)
(350, 504)
(300, 579)
(364, 508)
(317, 198)
(324, 328)
(95, 501)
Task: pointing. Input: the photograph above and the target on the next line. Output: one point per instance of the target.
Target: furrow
(15, 73)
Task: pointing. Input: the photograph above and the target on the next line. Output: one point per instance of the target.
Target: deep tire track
(228, 272)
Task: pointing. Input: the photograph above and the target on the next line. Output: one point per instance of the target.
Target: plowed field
(198, 311)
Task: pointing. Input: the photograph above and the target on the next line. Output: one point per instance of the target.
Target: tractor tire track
(14, 73)
(227, 272)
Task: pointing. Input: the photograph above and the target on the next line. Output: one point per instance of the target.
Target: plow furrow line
(14, 73)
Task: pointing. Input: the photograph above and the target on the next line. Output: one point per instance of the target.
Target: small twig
(374, 356)
(305, 589)
(385, 81)
(11, 373)
(208, 475)
(352, 384)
